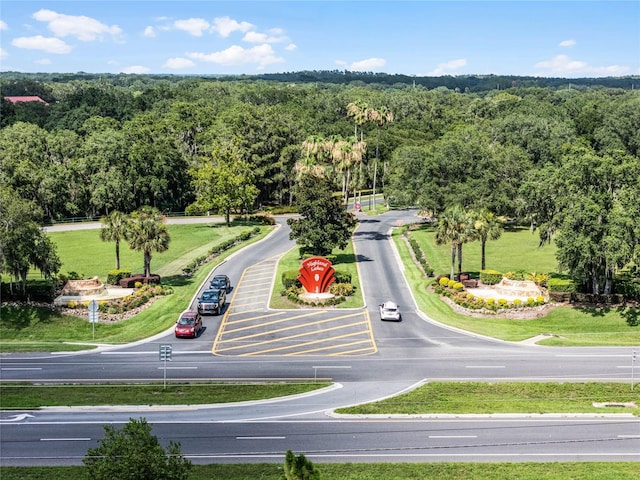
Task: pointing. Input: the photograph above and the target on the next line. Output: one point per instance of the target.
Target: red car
(189, 324)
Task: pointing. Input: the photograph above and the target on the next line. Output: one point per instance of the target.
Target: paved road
(368, 359)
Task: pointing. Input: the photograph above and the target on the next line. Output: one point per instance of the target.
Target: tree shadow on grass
(177, 280)
(631, 315)
(19, 318)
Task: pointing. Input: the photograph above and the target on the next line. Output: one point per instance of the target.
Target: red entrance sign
(316, 274)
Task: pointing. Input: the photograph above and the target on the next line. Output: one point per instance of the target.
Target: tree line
(564, 160)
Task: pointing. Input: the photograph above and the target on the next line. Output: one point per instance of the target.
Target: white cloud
(368, 64)
(136, 69)
(43, 61)
(342, 63)
(177, 63)
(255, 37)
(563, 65)
(47, 44)
(446, 67)
(225, 26)
(194, 26)
(149, 32)
(85, 29)
(3, 25)
(235, 55)
(567, 43)
(291, 47)
(3, 53)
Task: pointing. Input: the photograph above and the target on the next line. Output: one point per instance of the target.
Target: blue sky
(554, 38)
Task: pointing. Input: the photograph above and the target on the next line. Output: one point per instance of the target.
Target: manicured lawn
(20, 327)
(368, 471)
(345, 262)
(83, 252)
(27, 396)
(569, 326)
(484, 398)
(516, 249)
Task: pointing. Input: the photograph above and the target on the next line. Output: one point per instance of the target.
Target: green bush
(490, 277)
(561, 285)
(342, 277)
(290, 279)
(341, 289)
(114, 276)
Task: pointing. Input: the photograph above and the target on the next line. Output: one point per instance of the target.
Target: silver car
(389, 311)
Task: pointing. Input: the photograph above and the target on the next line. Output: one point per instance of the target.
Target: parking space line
(284, 339)
(330, 347)
(297, 345)
(293, 327)
(288, 319)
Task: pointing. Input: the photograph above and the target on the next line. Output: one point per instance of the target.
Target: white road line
(260, 438)
(177, 368)
(65, 439)
(584, 355)
(20, 368)
(331, 366)
(628, 436)
(486, 366)
(453, 436)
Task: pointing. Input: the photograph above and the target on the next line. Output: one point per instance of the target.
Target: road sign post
(93, 317)
(633, 364)
(165, 355)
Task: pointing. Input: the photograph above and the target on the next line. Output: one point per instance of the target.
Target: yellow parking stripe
(273, 322)
(329, 347)
(293, 327)
(311, 342)
(265, 342)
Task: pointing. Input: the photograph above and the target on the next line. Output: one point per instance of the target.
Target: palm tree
(114, 228)
(379, 117)
(487, 226)
(148, 233)
(453, 228)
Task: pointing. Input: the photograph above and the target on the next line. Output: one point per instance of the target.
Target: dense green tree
(224, 183)
(324, 222)
(23, 244)
(134, 453)
(114, 229)
(597, 233)
(147, 233)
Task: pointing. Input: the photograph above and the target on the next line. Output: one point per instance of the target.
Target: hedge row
(218, 249)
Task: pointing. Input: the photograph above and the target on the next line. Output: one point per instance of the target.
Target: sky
(567, 39)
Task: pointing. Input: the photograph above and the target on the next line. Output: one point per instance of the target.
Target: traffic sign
(165, 352)
(93, 306)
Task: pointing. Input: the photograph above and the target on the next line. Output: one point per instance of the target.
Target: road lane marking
(486, 366)
(177, 368)
(260, 438)
(79, 439)
(453, 436)
(21, 368)
(628, 436)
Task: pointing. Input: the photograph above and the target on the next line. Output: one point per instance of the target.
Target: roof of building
(25, 98)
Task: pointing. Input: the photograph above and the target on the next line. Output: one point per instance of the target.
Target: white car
(389, 311)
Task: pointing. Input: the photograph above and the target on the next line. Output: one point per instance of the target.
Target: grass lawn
(83, 252)
(345, 262)
(516, 249)
(368, 471)
(484, 398)
(28, 396)
(569, 326)
(21, 327)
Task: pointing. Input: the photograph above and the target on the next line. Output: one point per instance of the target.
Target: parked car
(389, 311)
(212, 301)
(221, 281)
(188, 325)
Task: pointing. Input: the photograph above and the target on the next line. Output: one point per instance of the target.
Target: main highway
(364, 358)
